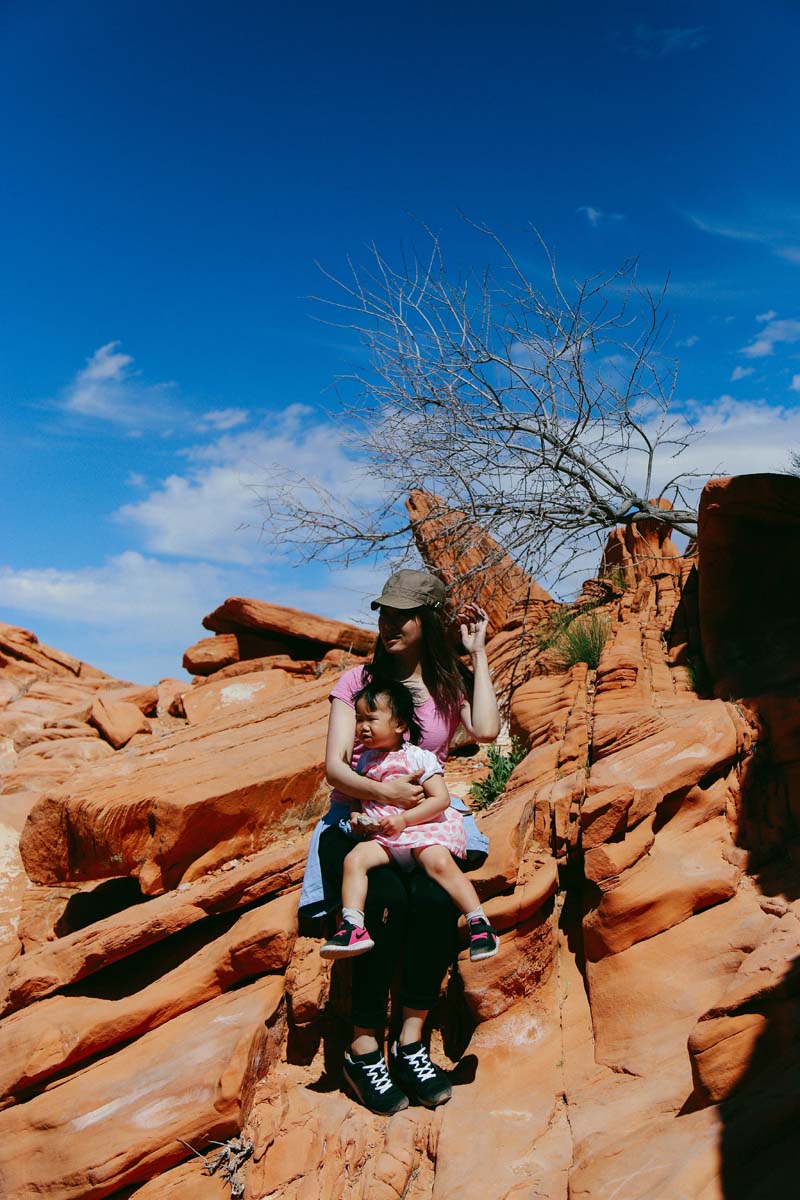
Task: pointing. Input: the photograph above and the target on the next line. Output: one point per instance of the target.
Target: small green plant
(699, 675)
(615, 577)
(552, 629)
(583, 640)
(484, 792)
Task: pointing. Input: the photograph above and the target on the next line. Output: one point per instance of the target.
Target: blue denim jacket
(316, 899)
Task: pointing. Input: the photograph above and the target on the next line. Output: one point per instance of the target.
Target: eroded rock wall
(635, 1039)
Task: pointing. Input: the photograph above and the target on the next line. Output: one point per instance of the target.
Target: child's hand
(363, 825)
(391, 824)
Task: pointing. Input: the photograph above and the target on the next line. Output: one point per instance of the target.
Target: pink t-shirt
(437, 727)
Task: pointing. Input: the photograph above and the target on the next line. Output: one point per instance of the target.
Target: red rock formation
(641, 550)
(635, 1038)
(292, 630)
(190, 801)
(749, 537)
(472, 563)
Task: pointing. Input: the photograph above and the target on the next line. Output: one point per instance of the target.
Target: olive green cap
(412, 589)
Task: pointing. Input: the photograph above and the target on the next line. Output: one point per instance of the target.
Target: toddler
(431, 833)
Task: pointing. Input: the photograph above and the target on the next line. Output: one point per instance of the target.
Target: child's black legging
(411, 920)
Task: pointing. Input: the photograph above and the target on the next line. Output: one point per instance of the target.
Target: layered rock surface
(635, 1038)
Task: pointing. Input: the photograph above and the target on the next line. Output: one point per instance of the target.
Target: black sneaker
(418, 1076)
(483, 940)
(347, 942)
(368, 1077)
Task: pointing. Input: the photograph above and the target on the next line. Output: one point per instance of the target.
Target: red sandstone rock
(221, 697)
(60, 1032)
(641, 550)
(523, 961)
(749, 572)
(515, 1117)
(299, 629)
(169, 697)
(190, 801)
(209, 654)
(647, 999)
(472, 563)
(118, 721)
(188, 1181)
(119, 1121)
(106, 941)
(14, 809)
(308, 669)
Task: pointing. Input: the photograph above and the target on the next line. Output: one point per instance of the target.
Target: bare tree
(542, 412)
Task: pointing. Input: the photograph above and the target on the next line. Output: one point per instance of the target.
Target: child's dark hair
(401, 703)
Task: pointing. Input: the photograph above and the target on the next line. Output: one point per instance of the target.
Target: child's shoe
(483, 940)
(347, 942)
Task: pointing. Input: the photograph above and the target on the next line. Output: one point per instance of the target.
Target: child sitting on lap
(430, 834)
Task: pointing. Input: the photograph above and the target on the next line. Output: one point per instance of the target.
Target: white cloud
(773, 333)
(222, 419)
(135, 615)
(596, 216)
(741, 437)
(135, 479)
(108, 389)
(772, 239)
(213, 509)
(770, 315)
(794, 386)
(741, 373)
(127, 591)
(732, 232)
(690, 341)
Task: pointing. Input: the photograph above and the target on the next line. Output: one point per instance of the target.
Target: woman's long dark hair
(446, 678)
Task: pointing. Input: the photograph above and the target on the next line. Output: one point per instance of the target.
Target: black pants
(411, 920)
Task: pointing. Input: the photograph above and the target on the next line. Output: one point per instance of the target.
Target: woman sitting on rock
(412, 920)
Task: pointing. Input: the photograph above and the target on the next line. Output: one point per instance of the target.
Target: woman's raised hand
(473, 621)
(403, 790)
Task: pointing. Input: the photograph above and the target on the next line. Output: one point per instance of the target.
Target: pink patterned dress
(445, 830)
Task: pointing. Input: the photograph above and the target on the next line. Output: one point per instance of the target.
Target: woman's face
(399, 629)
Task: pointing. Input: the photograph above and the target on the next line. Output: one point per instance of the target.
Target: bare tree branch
(544, 413)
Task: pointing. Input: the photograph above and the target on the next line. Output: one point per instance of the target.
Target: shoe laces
(421, 1065)
(378, 1076)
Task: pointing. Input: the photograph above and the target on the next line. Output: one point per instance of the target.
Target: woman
(411, 919)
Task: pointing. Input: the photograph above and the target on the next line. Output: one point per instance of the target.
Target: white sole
(351, 1087)
(486, 954)
(337, 953)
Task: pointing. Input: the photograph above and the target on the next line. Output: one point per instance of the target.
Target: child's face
(378, 728)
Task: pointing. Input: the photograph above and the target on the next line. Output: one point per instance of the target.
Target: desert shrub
(699, 675)
(484, 792)
(551, 630)
(616, 577)
(583, 640)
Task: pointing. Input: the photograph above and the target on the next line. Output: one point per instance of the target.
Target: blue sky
(173, 171)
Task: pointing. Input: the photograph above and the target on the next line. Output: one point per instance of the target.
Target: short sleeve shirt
(437, 727)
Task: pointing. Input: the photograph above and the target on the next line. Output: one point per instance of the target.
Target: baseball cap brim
(400, 600)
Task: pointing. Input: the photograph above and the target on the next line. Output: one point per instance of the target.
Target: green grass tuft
(501, 765)
(699, 675)
(582, 641)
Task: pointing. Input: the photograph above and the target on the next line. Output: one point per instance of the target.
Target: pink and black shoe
(483, 940)
(348, 941)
